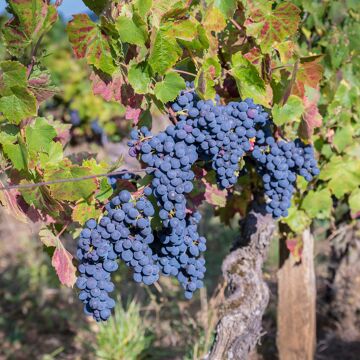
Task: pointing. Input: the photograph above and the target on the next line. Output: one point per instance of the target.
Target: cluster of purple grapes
(169, 157)
(124, 232)
(180, 257)
(224, 133)
(217, 135)
(279, 163)
(96, 257)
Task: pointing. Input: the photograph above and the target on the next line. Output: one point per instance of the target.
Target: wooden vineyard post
(296, 314)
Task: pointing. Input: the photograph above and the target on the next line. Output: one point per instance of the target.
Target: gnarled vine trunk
(246, 294)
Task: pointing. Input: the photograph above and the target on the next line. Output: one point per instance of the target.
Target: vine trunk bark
(246, 294)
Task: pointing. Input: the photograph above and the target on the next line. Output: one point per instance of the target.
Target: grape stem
(172, 115)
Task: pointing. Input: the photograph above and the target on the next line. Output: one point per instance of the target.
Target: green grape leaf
(343, 137)
(139, 78)
(8, 134)
(343, 174)
(12, 73)
(165, 9)
(70, 191)
(169, 88)
(40, 198)
(249, 81)
(206, 77)
(214, 20)
(97, 6)
(227, 7)
(288, 113)
(32, 19)
(297, 220)
(271, 26)
(129, 32)
(18, 154)
(83, 211)
(318, 204)
(18, 104)
(200, 42)
(143, 7)
(105, 190)
(164, 52)
(54, 154)
(183, 30)
(354, 202)
(39, 136)
(90, 43)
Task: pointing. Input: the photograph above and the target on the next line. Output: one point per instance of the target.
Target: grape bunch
(278, 163)
(123, 232)
(243, 130)
(96, 258)
(223, 133)
(216, 136)
(181, 257)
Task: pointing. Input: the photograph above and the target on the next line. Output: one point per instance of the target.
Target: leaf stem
(292, 82)
(237, 25)
(33, 55)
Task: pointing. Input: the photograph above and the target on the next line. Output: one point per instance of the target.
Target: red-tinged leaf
(40, 85)
(62, 132)
(132, 114)
(309, 74)
(236, 203)
(126, 185)
(129, 98)
(295, 246)
(65, 269)
(47, 237)
(270, 26)
(213, 195)
(10, 201)
(254, 55)
(206, 191)
(38, 216)
(311, 118)
(89, 42)
(286, 50)
(32, 19)
(107, 87)
(61, 259)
